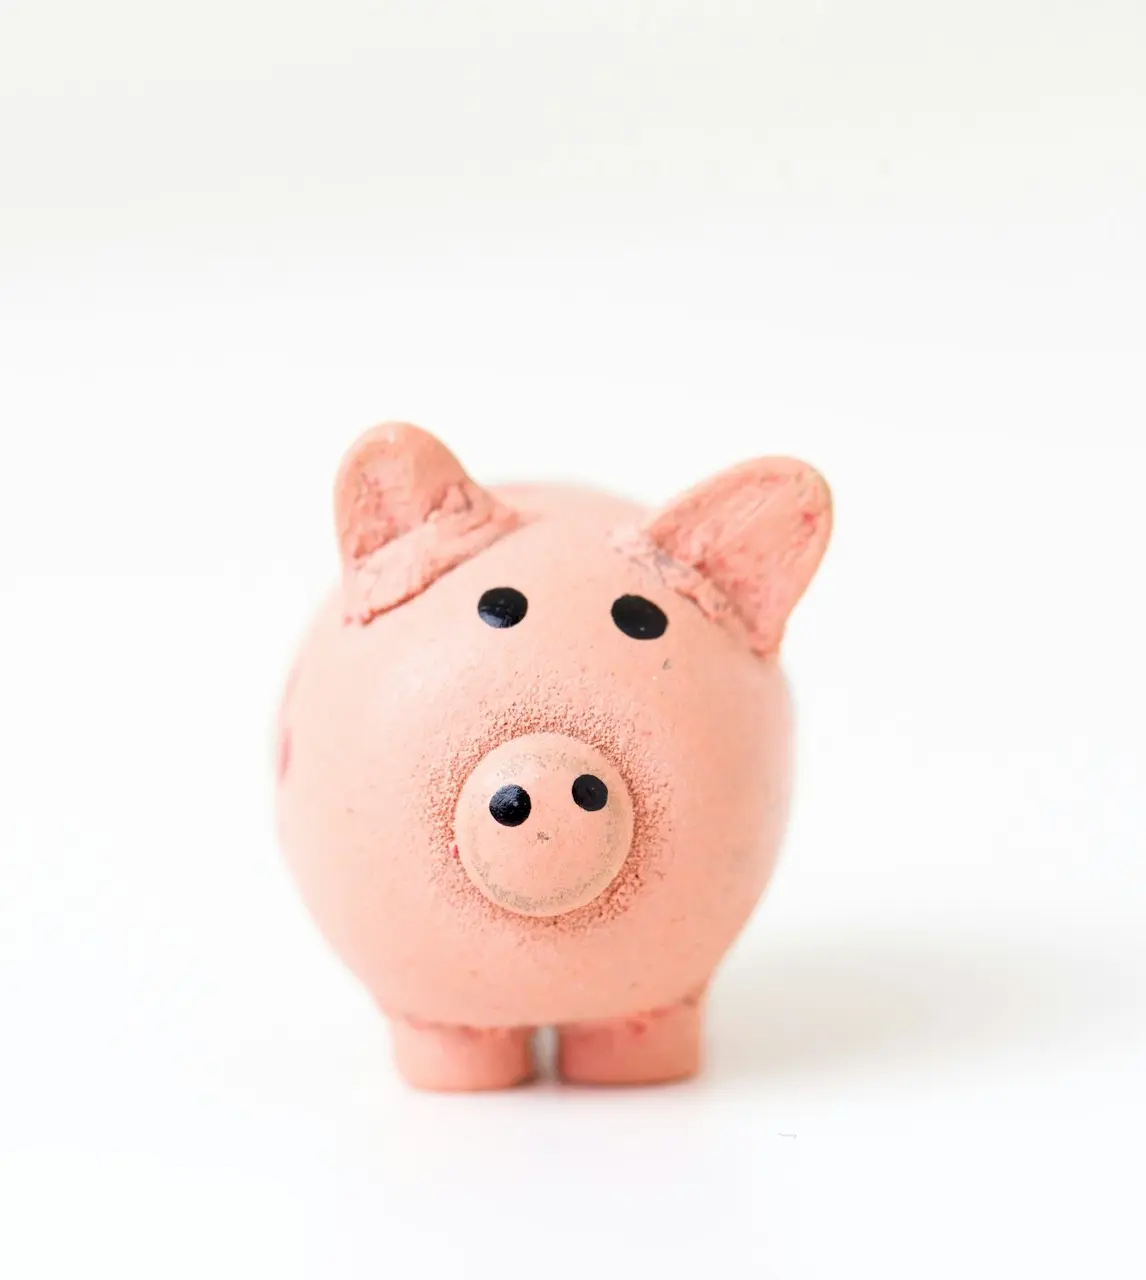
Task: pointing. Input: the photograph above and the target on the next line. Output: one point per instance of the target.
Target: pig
(533, 757)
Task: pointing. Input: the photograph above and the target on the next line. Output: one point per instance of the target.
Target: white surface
(628, 244)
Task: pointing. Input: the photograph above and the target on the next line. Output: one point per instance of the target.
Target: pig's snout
(543, 824)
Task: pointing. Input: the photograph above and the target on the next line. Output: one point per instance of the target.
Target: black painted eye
(502, 607)
(589, 792)
(639, 618)
(510, 805)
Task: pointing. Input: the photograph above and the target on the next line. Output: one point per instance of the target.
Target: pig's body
(606, 922)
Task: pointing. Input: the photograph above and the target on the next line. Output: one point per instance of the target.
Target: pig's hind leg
(646, 1048)
(461, 1059)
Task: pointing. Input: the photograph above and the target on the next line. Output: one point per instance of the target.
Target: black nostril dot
(589, 792)
(510, 805)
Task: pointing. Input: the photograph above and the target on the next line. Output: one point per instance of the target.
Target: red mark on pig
(284, 743)
(288, 689)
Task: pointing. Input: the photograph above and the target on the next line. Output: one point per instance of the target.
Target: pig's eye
(502, 607)
(639, 618)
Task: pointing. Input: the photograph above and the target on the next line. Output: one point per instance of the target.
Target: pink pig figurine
(533, 756)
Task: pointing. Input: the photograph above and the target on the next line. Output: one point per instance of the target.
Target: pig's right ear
(742, 546)
(406, 513)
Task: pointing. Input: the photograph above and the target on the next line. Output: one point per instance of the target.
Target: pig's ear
(406, 513)
(742, 545)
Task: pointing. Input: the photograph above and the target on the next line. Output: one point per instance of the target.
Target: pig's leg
(433, 1056)
(646, 1048)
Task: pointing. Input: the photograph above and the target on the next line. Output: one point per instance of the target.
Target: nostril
(510, 805)
(589, 792)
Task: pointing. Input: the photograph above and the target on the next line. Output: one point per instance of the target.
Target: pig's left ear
(406, 513)
(743, 545)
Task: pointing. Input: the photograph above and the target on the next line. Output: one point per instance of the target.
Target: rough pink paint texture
(407, 711)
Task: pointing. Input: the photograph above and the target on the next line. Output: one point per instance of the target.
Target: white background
(627, 243)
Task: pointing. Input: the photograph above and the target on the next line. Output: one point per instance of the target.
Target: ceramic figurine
(533, 756)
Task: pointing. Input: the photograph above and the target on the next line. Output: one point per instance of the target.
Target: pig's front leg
(647, 1048)
(461, 1059)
